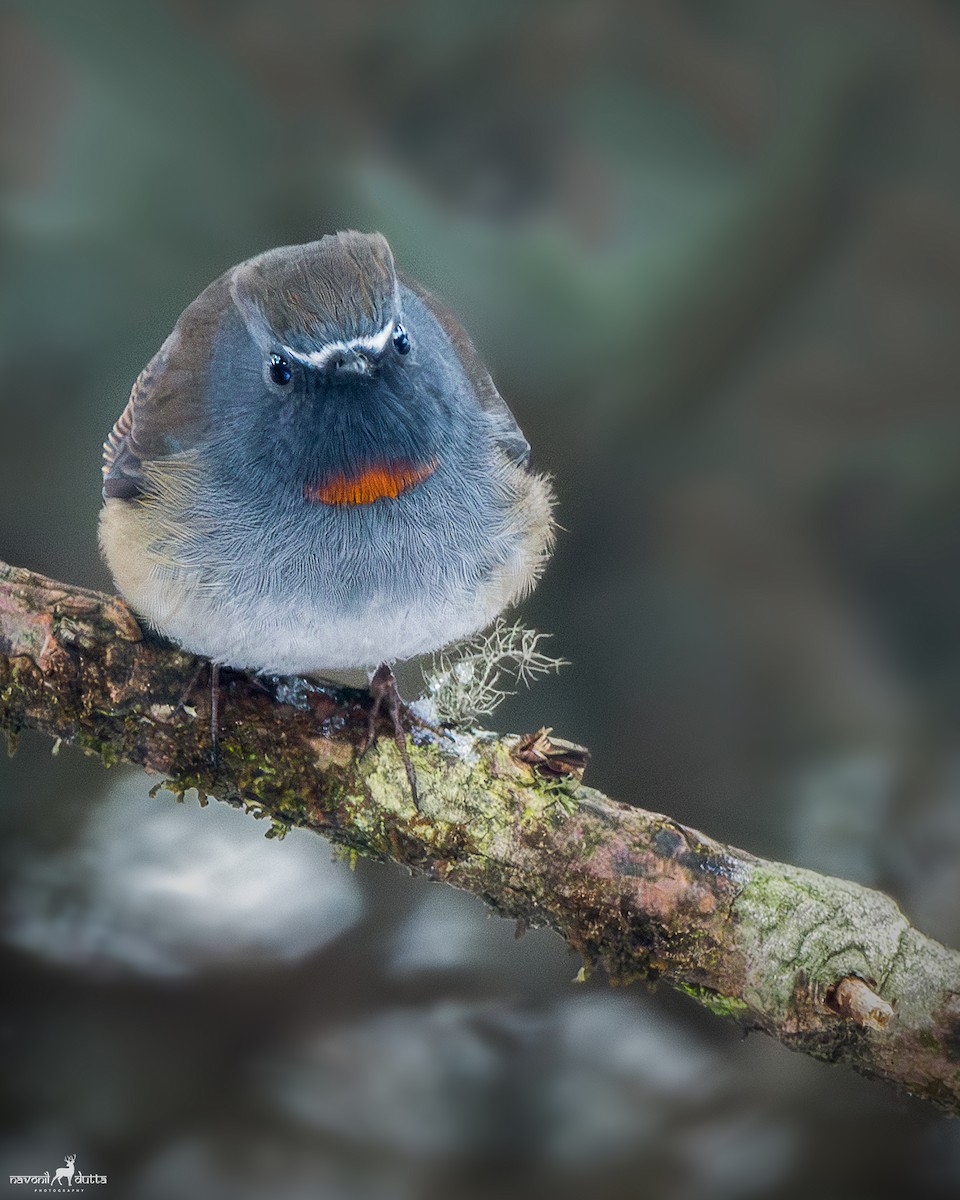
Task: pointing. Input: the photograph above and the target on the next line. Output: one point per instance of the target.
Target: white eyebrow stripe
(319, 358)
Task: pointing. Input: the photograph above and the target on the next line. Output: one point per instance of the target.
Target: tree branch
(828, 967)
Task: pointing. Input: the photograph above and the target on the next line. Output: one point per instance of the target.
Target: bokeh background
(711, 253)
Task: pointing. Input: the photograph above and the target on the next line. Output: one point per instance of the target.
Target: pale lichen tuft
(472, 679)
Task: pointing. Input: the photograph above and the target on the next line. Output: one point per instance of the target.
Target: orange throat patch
(378, 481)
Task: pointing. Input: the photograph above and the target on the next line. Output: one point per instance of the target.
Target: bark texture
(828, 967)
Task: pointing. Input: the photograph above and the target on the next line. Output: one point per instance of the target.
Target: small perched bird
(316, 472)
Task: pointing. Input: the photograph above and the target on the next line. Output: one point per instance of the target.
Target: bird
(316, 473)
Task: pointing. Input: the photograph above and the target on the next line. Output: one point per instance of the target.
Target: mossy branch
(828, 967)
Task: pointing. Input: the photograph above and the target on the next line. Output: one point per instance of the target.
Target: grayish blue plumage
(367, 500)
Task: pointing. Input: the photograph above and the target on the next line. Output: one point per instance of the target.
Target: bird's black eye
(401, 340)
(280, 370)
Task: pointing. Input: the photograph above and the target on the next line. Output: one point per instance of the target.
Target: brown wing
(122, 464)
(507, 431)
(165, 414)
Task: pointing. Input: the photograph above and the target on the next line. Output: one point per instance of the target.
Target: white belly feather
(283, 634)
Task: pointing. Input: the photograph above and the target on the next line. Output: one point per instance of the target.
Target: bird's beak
(354, 362)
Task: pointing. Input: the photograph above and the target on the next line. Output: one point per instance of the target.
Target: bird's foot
(388, 705)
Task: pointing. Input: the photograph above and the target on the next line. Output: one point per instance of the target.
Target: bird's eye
(280, 370)
(401, 340)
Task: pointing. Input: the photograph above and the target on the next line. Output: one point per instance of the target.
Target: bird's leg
(386, 698)
(215, 713)
(181, 704)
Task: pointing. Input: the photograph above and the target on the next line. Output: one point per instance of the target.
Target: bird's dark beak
(355, 362)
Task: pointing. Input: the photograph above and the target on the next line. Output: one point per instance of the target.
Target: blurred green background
(711, 253)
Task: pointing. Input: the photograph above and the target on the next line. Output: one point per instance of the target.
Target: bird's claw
(386, 701)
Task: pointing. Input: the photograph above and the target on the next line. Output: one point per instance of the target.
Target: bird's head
(317, 379)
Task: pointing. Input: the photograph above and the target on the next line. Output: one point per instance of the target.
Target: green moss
(98, 747)
(539, 806)
(593, 836)
(346, 854)
(719, 1005)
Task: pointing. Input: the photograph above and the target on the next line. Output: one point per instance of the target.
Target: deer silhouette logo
(66, 1173)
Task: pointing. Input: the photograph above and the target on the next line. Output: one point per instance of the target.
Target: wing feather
(166, 414)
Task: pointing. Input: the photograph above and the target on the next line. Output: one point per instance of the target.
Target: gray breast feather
(506, 431)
